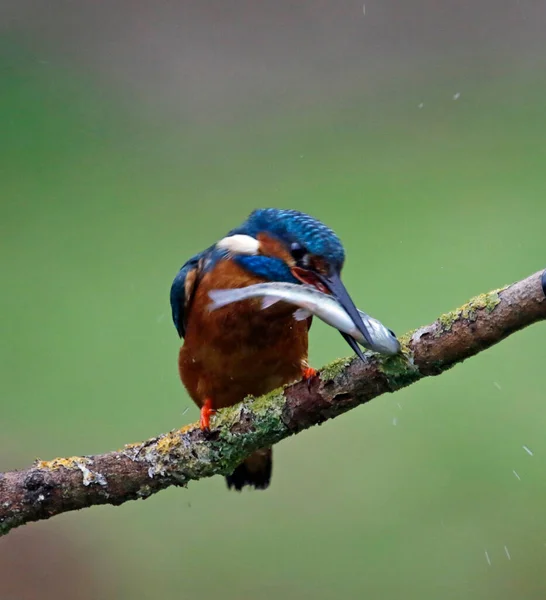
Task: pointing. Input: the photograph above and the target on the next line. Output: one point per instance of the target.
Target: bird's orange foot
(308, 373)
(206, 412)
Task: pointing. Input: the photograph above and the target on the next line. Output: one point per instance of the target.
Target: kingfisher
(240, 349)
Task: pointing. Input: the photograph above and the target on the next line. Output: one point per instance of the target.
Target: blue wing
(182, 290)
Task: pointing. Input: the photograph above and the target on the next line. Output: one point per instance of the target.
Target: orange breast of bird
(239, 349)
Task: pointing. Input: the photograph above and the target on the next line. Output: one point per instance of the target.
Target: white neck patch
(239, 244)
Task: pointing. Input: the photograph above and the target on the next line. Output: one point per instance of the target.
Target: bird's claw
(206, 412)
(308, 374)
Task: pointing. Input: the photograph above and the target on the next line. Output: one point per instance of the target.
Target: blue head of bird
(291, 246)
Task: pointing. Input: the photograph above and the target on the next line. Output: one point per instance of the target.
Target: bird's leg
(308, 373)
(206, 412)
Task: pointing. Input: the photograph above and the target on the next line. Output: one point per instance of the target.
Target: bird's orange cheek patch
(270, 246)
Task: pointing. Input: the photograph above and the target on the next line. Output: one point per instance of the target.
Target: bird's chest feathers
(241, 332)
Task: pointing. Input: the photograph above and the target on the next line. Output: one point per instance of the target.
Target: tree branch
(139, 470)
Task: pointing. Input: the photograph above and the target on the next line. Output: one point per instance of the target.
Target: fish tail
(222, 298)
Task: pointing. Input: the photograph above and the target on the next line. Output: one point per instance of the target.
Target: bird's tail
(255, 471)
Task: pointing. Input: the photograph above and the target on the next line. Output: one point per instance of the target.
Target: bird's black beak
(337, 289)
(332, 283)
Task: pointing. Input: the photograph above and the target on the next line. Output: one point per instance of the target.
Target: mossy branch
(139, 470)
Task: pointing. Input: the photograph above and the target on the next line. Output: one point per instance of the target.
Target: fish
(311, 301)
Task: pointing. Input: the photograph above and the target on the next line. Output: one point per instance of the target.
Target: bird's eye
(297, 251)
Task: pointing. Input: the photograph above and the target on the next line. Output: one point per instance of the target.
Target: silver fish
(312, 302)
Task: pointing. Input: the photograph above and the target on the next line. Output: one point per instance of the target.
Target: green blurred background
(134, 135)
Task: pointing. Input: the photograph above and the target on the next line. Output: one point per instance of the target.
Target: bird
(241, 350)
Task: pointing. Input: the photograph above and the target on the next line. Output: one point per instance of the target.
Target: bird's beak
(333, 284)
